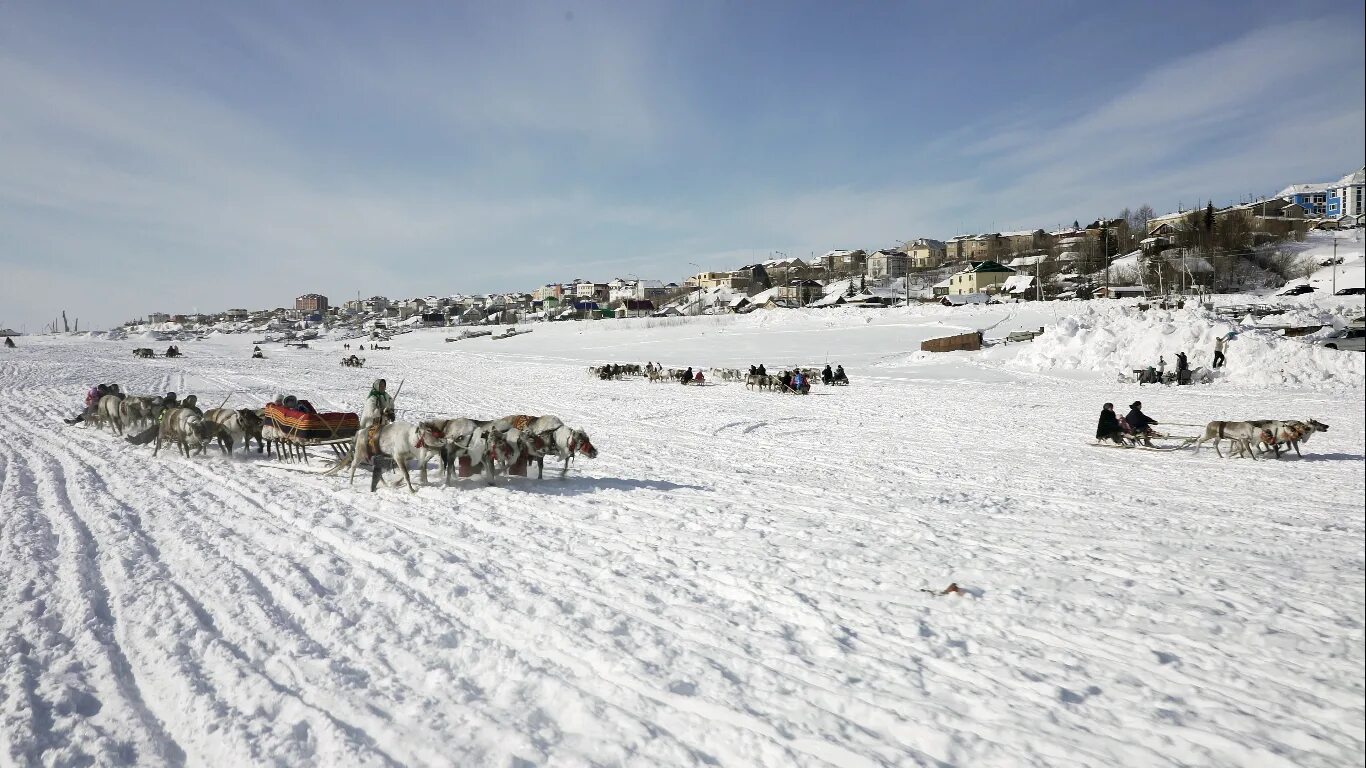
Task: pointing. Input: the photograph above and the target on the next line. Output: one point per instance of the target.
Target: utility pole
(1335, 262)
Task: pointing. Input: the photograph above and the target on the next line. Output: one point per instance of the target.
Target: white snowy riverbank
(737, 580)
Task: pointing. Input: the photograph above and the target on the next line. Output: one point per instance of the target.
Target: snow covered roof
(828, 300)
(1026, 261)
(1192, 264)
(942, 283)
(838, 287)
(1021, 233)
(763, 296)
(1018, 284)
(1305, 189)
(987, 266)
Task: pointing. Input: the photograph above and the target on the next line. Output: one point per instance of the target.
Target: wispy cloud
(334, 154)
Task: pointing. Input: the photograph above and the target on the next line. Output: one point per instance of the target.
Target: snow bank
(1120, 338)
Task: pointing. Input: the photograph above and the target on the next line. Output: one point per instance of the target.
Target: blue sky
(185, 156)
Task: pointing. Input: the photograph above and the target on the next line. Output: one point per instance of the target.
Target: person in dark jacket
(1108, 427)
(840, 376)
(762, 372)
(827, 375)
(1139, 422)
(686, 377)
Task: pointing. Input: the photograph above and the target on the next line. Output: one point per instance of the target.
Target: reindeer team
(488, 447)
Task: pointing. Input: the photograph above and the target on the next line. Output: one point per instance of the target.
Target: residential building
(799, 293)
(311, 302)
(635, 308)
(926, 254)
(590, 290)
(1329, 199)
(979, 277)
(887, 264)
(844, 262)
(783, 271)
(236, 315)
(709, 280)
(1025, 241)
(975, 247)
(1345, 196)
(153, 318)
(757, 276)
(1117, 230)
(1019, 287)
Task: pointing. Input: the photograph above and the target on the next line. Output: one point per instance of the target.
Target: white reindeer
(400, 441)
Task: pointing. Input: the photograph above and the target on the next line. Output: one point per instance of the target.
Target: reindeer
(136, 411)
(536, 437)
(108, 410)
(184, 427)
(468, 439)
(399, 441)
(235, 425)
(1240, 433)
(557, 437)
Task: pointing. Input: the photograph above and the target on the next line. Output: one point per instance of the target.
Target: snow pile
(1120, 338)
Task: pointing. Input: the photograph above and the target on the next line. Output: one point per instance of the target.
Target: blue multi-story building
(1330, 200)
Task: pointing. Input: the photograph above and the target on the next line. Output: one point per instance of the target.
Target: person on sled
(686, 376)
(800, 384)
(92, 402)
(840, 378)
(827, 376)
(699, 378)
(1141, 424)
(1108, 428)
(379, 406)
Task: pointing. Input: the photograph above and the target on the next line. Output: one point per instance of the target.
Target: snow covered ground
(740, 577)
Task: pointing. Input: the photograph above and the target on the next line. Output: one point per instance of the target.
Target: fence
(964, 342)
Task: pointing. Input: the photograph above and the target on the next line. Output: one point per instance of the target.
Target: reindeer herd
(466, 446)
(754, 379)
(463, 446)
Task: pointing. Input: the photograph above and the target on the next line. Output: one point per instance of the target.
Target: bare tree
(1138, 220)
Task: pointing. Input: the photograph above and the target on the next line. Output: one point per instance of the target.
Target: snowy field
(740, 579)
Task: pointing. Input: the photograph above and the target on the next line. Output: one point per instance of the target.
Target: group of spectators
(1157, 374)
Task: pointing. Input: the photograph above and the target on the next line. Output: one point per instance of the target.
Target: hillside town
(1237, 247)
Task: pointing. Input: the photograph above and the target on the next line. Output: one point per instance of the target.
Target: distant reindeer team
(797, 380)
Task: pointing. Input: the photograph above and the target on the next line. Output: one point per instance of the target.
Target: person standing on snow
(1219, 345)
